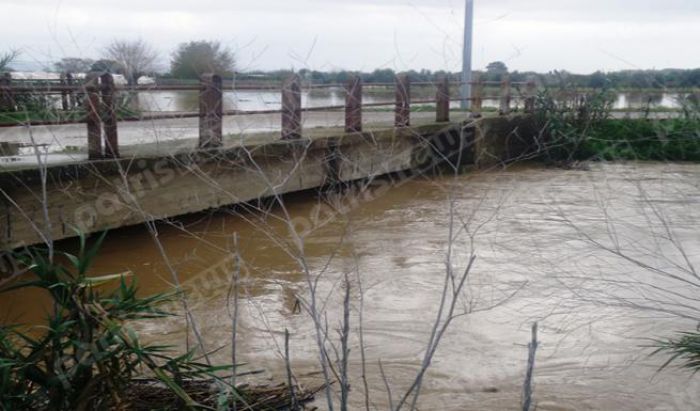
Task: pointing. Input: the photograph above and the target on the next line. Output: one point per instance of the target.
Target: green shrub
(644, 139)
(567, 119)
(580, 127)
(86, 355)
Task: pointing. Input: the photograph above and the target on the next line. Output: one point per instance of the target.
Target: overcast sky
(576, 35)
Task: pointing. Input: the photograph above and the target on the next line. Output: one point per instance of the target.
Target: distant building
(34, 75)
(45, 75)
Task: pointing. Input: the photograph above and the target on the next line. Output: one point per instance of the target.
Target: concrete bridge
(118, 186)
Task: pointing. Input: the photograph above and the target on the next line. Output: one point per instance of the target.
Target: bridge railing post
(531, 95)
(505, 95)
(291, 108)
(109, 116)
(6, 97)
(403, 101)
(210, 111)
(73, 97)
(94, 126)
(65, 103)
(353, 105)
(443, 100)
(477, 95)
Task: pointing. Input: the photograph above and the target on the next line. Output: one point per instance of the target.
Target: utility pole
(466, 89)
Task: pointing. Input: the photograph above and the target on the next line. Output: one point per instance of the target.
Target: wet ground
(603, 259)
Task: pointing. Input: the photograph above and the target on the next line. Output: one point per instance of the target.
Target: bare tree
(135, 58)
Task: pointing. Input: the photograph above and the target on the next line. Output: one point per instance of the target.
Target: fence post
(403, 101)
(531, 93)
(109, 116)
(443, 100)
(92, 106)
(291, 108)
(505, 95)
(210, 111)
(353, 105)
(6, 98)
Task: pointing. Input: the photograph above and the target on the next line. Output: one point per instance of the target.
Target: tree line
(632, 79)
(136, 58)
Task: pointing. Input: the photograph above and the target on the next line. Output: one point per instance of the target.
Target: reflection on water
(631, 100)
(531, 266)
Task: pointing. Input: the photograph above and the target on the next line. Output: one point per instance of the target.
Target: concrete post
(72, 97)
(353, 105)
(291, 108)
(403, 101)
(92, 106)
(109, 116)
(505, 95)
(7, 101)
(443, 100)
(210, 111)
(531, 95)
(65, 104)
(465, 90)
(477, 96)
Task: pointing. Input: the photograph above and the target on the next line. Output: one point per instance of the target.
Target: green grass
(21, 117)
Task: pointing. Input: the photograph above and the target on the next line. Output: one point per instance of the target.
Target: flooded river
(593, 255)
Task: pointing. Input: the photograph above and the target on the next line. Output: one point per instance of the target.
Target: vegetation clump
(578, 127)
(87, 357)
(684, 348)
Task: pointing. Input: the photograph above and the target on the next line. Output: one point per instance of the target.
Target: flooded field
(271, 100)
(602, 258)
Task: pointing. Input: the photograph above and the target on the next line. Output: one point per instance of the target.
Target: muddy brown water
(566, 248)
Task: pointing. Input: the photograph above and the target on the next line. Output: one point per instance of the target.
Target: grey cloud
(363, 34)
